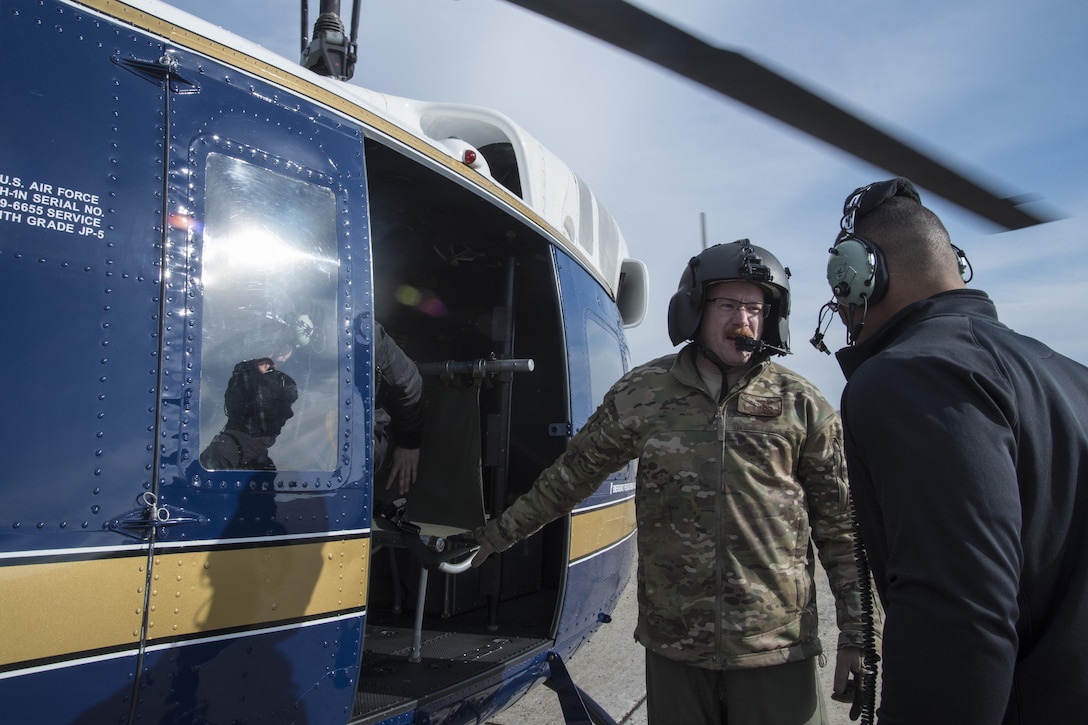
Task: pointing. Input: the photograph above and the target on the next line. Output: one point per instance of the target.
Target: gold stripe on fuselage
(52, 609)
(62, 609)
(599, 528)
(195, 592)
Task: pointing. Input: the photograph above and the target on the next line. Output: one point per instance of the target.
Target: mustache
(740, 332)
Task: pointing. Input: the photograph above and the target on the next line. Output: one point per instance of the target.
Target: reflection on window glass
(268, 392)
(605, 360)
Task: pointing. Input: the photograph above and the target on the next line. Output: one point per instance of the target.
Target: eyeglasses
(729, 306)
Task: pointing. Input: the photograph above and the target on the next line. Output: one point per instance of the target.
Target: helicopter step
(391, 683)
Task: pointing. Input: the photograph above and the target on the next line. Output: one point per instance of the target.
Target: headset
(856, 269)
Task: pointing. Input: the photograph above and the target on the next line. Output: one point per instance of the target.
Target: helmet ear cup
(857, 272)
(685, 313)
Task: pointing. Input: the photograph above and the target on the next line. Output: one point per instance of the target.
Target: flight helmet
(742, 261)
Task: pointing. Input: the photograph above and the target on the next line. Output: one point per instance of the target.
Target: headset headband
(869, 197)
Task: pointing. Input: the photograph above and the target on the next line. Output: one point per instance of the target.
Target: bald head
(915, 244)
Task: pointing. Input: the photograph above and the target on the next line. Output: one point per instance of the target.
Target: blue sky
(995, 88)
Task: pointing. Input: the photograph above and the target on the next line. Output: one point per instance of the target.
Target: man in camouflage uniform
(740, 468)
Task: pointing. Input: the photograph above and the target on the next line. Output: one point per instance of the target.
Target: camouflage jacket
(729, 497)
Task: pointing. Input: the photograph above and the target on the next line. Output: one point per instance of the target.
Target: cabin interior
(459, 279)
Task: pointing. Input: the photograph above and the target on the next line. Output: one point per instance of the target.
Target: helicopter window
(605, 359)
(268, 396)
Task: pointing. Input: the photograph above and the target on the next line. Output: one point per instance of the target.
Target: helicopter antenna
(330, 52)
(305, 27)
(354, 31)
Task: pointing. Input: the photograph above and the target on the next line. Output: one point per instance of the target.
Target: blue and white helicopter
(174, 201)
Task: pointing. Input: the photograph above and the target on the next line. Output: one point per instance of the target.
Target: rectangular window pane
(268, 394)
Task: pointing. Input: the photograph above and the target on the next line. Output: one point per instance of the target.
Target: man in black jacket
(964, 442)
(398, 413)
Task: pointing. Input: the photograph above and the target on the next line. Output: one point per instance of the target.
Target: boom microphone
(827, 312)
(749, 344)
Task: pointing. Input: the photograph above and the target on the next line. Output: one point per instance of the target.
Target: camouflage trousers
(680, 694)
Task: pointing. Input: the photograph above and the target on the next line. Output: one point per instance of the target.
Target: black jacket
(965, 442)
(398, 397)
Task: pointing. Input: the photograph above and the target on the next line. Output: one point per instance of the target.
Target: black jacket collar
(955, 302)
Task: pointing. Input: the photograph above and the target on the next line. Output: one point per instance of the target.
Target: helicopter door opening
(463, 286)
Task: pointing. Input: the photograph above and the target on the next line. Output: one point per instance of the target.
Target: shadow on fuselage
(219, 673)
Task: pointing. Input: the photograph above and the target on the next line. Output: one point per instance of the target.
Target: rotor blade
(738, 77)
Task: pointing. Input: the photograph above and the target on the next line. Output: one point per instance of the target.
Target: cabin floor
(390, 683)
(454, 650)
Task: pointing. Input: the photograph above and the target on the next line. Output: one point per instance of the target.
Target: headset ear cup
(684, 309)
(856, 272)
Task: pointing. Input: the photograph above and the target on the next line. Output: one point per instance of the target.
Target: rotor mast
(329, 51)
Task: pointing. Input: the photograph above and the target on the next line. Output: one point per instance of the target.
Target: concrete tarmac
(611, 670)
